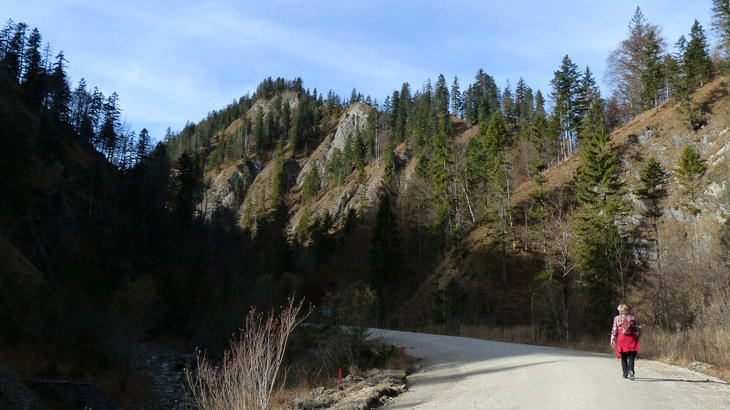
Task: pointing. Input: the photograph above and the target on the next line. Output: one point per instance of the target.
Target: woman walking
(625, 337)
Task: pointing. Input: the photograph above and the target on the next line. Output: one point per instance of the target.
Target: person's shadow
(652, 380)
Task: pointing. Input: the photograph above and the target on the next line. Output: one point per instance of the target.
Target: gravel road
(464, 373)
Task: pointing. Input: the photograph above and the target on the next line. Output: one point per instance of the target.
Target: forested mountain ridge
(661, 133)
(440, 209)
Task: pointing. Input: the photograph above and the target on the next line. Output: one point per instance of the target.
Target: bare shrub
(246, 377)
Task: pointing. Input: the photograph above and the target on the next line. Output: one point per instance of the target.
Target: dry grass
(685, 346)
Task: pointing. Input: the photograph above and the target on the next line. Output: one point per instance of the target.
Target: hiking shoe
(631, 375)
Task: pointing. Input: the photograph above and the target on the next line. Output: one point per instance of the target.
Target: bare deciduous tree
(625, 64)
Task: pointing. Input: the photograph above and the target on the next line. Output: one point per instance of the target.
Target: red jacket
(624, 343)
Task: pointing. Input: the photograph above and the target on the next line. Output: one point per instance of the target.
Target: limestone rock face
(224, 187)
(265, 104)
(354, 118)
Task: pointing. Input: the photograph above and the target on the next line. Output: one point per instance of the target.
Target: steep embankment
(663, 134)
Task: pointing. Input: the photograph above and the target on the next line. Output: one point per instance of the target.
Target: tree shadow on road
(427, 377)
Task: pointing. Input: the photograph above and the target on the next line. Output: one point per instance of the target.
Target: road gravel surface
(465, 373)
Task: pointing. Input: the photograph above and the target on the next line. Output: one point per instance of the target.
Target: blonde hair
(623, 309)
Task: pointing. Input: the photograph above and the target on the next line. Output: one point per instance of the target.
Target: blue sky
(174, 61)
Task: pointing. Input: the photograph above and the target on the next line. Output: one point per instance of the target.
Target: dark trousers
(627, 362)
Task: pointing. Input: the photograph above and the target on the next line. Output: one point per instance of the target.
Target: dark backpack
(627, 326)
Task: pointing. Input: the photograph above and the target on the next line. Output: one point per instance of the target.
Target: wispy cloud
(173, 62)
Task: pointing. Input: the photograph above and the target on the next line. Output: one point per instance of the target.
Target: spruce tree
(440, 175)
(386, 259)
(371, 130)
(594, 122)
(457, 102)
(258, 133)
(524, 102)
(697, 64)
(540, 104)
(587, 93)
(602, 206)
(13, 57)
(652, 77)
(652, 192)
(682, 85)
(60, 96)
(510, 110)
(33, 71)
(310, 185)
(689, 172)
(404, 110)
(143, 146)
(721, 23)
(496, 143)
(690, 169)
(441, 97)
(565, 85)
(278, 178)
